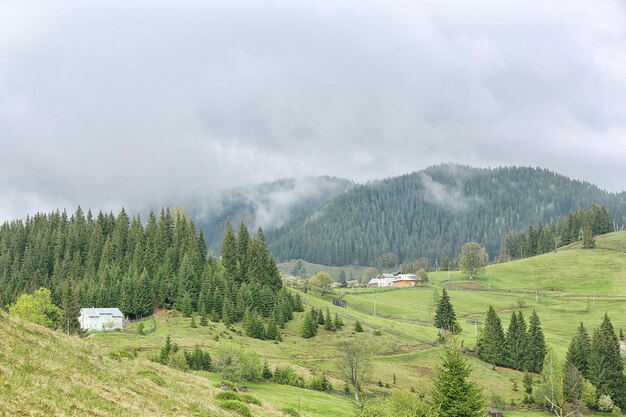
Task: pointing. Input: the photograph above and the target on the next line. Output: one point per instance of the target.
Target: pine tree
(230, 254)
(453, 395)
(272, 332)
(357, 327)
(266, 373)
(579, 351)
(309, 324)
(203, 319)
(193, 321)
(445, 317)
(606, 368)
(165, 351)
(491, 343)
(328, 321)
(70, 303)
(516, 341)
(536, 347)
(185, 305)
(338, 322)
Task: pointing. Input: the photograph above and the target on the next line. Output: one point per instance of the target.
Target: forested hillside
(117, 261)
(267, 205)
(431, 213)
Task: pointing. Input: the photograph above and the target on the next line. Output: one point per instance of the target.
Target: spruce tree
(491, 343)
(230, 254)
(165, 351)
(357, 327)
(338, 322)
(445, 317)
(606, 367)
(186, 306)
(579, 351)
(516, 341)
(328, 321)
(453, 395)
(536, 347)
(272, 332)
(309, 324)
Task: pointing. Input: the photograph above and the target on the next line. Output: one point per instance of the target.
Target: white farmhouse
(101, 319)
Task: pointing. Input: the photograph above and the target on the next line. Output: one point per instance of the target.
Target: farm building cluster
(395, 280)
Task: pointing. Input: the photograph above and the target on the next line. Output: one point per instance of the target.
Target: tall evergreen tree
(453, 395)
(606, 367)
(536, 347)
(579, 351)
(230, 254)
(70, 304)
(491, 343)
(516, 341)
(445, 317)
(309, 325)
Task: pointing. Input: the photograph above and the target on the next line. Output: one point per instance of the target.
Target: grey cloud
(146, 103)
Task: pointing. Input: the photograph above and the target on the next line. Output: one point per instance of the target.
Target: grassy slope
(351, 271)
(45, 373)
(403, 347)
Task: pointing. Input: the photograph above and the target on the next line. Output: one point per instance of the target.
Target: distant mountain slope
(267, 205)
(433, 212)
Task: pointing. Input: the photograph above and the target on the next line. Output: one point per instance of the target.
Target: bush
(226, 385)
(121, 353)
(198, 360)
(320, 383)
(228, 395)
(236, 406)
(178, 361)
(605, 404)
(290, 411)
(287, 376)
(237, 364)
(249, 399)
(152, 376)
(140, 327)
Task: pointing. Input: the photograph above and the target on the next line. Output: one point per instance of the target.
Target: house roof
(94, 312)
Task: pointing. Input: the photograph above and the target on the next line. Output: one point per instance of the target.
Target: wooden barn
(494, 412)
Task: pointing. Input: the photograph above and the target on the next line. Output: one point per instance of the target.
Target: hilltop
(431, 213)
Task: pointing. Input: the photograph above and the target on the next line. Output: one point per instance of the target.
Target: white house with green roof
(103, 319)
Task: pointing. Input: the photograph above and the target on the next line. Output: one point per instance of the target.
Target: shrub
(228, 395)
(249, 399)
(237, 364)
(287, 376)
(605, 404)
(140, 327)
(152, 376)
(320, 383)
(236, 406)
(290, 411)
(357, 327)
(121, 353)
(198, 360)
(178, 361)
(224, 384)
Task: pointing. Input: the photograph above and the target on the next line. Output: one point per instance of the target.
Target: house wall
(100, 322)
(404, 283)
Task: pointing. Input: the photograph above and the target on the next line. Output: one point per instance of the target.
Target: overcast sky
(110, 103)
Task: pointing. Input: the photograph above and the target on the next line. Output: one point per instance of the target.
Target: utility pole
(537, 295)
(374, 305)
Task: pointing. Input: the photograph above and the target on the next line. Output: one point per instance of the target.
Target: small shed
(101, 319)
(494, 412)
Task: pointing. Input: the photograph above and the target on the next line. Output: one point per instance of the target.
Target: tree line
(118, 261)
(581, 225)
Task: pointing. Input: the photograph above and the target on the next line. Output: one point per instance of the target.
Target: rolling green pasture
(565, 287)
(352, 271)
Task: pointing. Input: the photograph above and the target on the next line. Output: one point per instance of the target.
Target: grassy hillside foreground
(45, 373)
